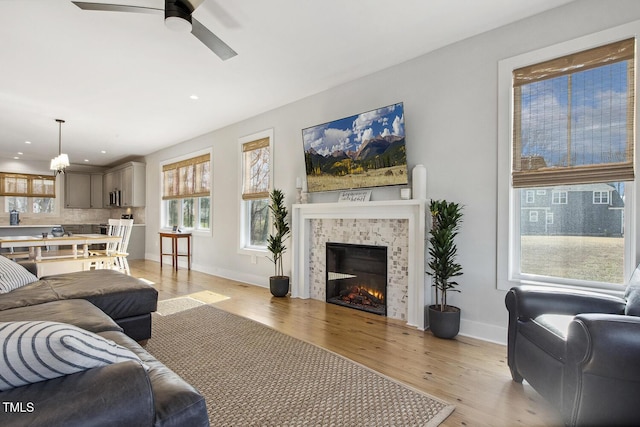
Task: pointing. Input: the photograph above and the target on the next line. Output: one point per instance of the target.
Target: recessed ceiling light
(27, 142)
(20, 153)
(103, 152)
(17, 158)
(194, 97)
(86, 160)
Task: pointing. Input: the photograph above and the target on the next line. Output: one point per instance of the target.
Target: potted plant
(444, 319)
(278, 283)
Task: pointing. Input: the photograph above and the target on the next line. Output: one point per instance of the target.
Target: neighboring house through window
(571, 132)
(256, 178)
(28, 193)
(186, 193)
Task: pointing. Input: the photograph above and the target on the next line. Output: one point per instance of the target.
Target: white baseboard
(220, 272)
(250, 279)
(484, 331)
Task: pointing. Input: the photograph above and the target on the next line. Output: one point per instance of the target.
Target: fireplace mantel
(412, 210)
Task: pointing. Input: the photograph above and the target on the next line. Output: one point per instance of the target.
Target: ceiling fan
(177, 16)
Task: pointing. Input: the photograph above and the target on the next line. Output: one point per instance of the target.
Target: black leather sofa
(125, 299)
(580, 350)
(116, 307)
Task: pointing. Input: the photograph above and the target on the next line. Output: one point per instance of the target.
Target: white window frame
(508, 199)
(530, 196)
(30, 212)
(533, 216)
(243, 230)
(549, 218)
(559, 197)
(196, 214)
(599, 199)
(208, 232)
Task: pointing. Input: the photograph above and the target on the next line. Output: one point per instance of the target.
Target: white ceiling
(122, 81)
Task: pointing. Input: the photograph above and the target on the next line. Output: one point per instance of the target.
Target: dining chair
(118, 249)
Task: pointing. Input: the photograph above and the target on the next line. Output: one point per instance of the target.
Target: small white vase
(419, 182)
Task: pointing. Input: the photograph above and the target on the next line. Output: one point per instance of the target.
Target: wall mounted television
(360, 151)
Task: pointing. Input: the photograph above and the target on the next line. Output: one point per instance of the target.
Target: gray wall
(450, 101)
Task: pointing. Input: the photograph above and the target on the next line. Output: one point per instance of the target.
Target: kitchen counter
(23, 226)
(26, 230)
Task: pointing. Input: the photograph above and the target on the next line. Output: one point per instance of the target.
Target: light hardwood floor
(470, 373)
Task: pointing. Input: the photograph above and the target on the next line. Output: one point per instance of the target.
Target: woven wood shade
(563, 133)
(187, 178)
(27, 185)
(255, 157)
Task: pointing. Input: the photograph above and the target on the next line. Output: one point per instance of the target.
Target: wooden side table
(174, 248)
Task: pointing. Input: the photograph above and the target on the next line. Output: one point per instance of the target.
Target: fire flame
(376, 293)
(364, 290)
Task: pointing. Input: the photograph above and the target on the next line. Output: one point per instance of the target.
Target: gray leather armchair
(580, 350)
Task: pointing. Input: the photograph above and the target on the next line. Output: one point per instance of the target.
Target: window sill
(202, 233)
(256, 251)
(605, 288)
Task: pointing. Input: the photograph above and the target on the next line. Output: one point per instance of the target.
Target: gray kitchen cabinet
(96, 191)
(128, 181)
(77, 190)
(82, 190)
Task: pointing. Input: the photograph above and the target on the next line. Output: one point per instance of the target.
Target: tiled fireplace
(390, 233)
(397, 225)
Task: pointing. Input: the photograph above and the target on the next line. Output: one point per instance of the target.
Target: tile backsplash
(79, 216)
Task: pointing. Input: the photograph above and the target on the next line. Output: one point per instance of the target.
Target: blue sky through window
(598, 114)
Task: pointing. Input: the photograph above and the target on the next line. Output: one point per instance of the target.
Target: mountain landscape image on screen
(365, 150)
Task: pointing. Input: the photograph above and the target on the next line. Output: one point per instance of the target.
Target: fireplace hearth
(357, 276)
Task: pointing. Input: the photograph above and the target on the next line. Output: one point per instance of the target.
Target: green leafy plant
(275, 241)
(446, 218)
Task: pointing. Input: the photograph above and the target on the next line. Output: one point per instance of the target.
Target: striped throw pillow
(13, 275)
(34, 351)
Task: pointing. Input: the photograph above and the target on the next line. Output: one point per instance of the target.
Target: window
(531, 196)
(549, 218)
(600, 197)
(27, 193)
(570, 113)
(186, 194)
(255, 154)
(533, 216)
(559, 197)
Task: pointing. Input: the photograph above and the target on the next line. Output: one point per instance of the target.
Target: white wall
(450, 101)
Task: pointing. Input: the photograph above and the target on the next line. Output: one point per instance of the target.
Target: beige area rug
(252, 375)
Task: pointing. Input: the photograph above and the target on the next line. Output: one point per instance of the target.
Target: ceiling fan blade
(194, 3)
(212, 41)
(116, 8)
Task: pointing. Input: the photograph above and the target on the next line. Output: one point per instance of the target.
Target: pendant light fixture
(59, 163)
